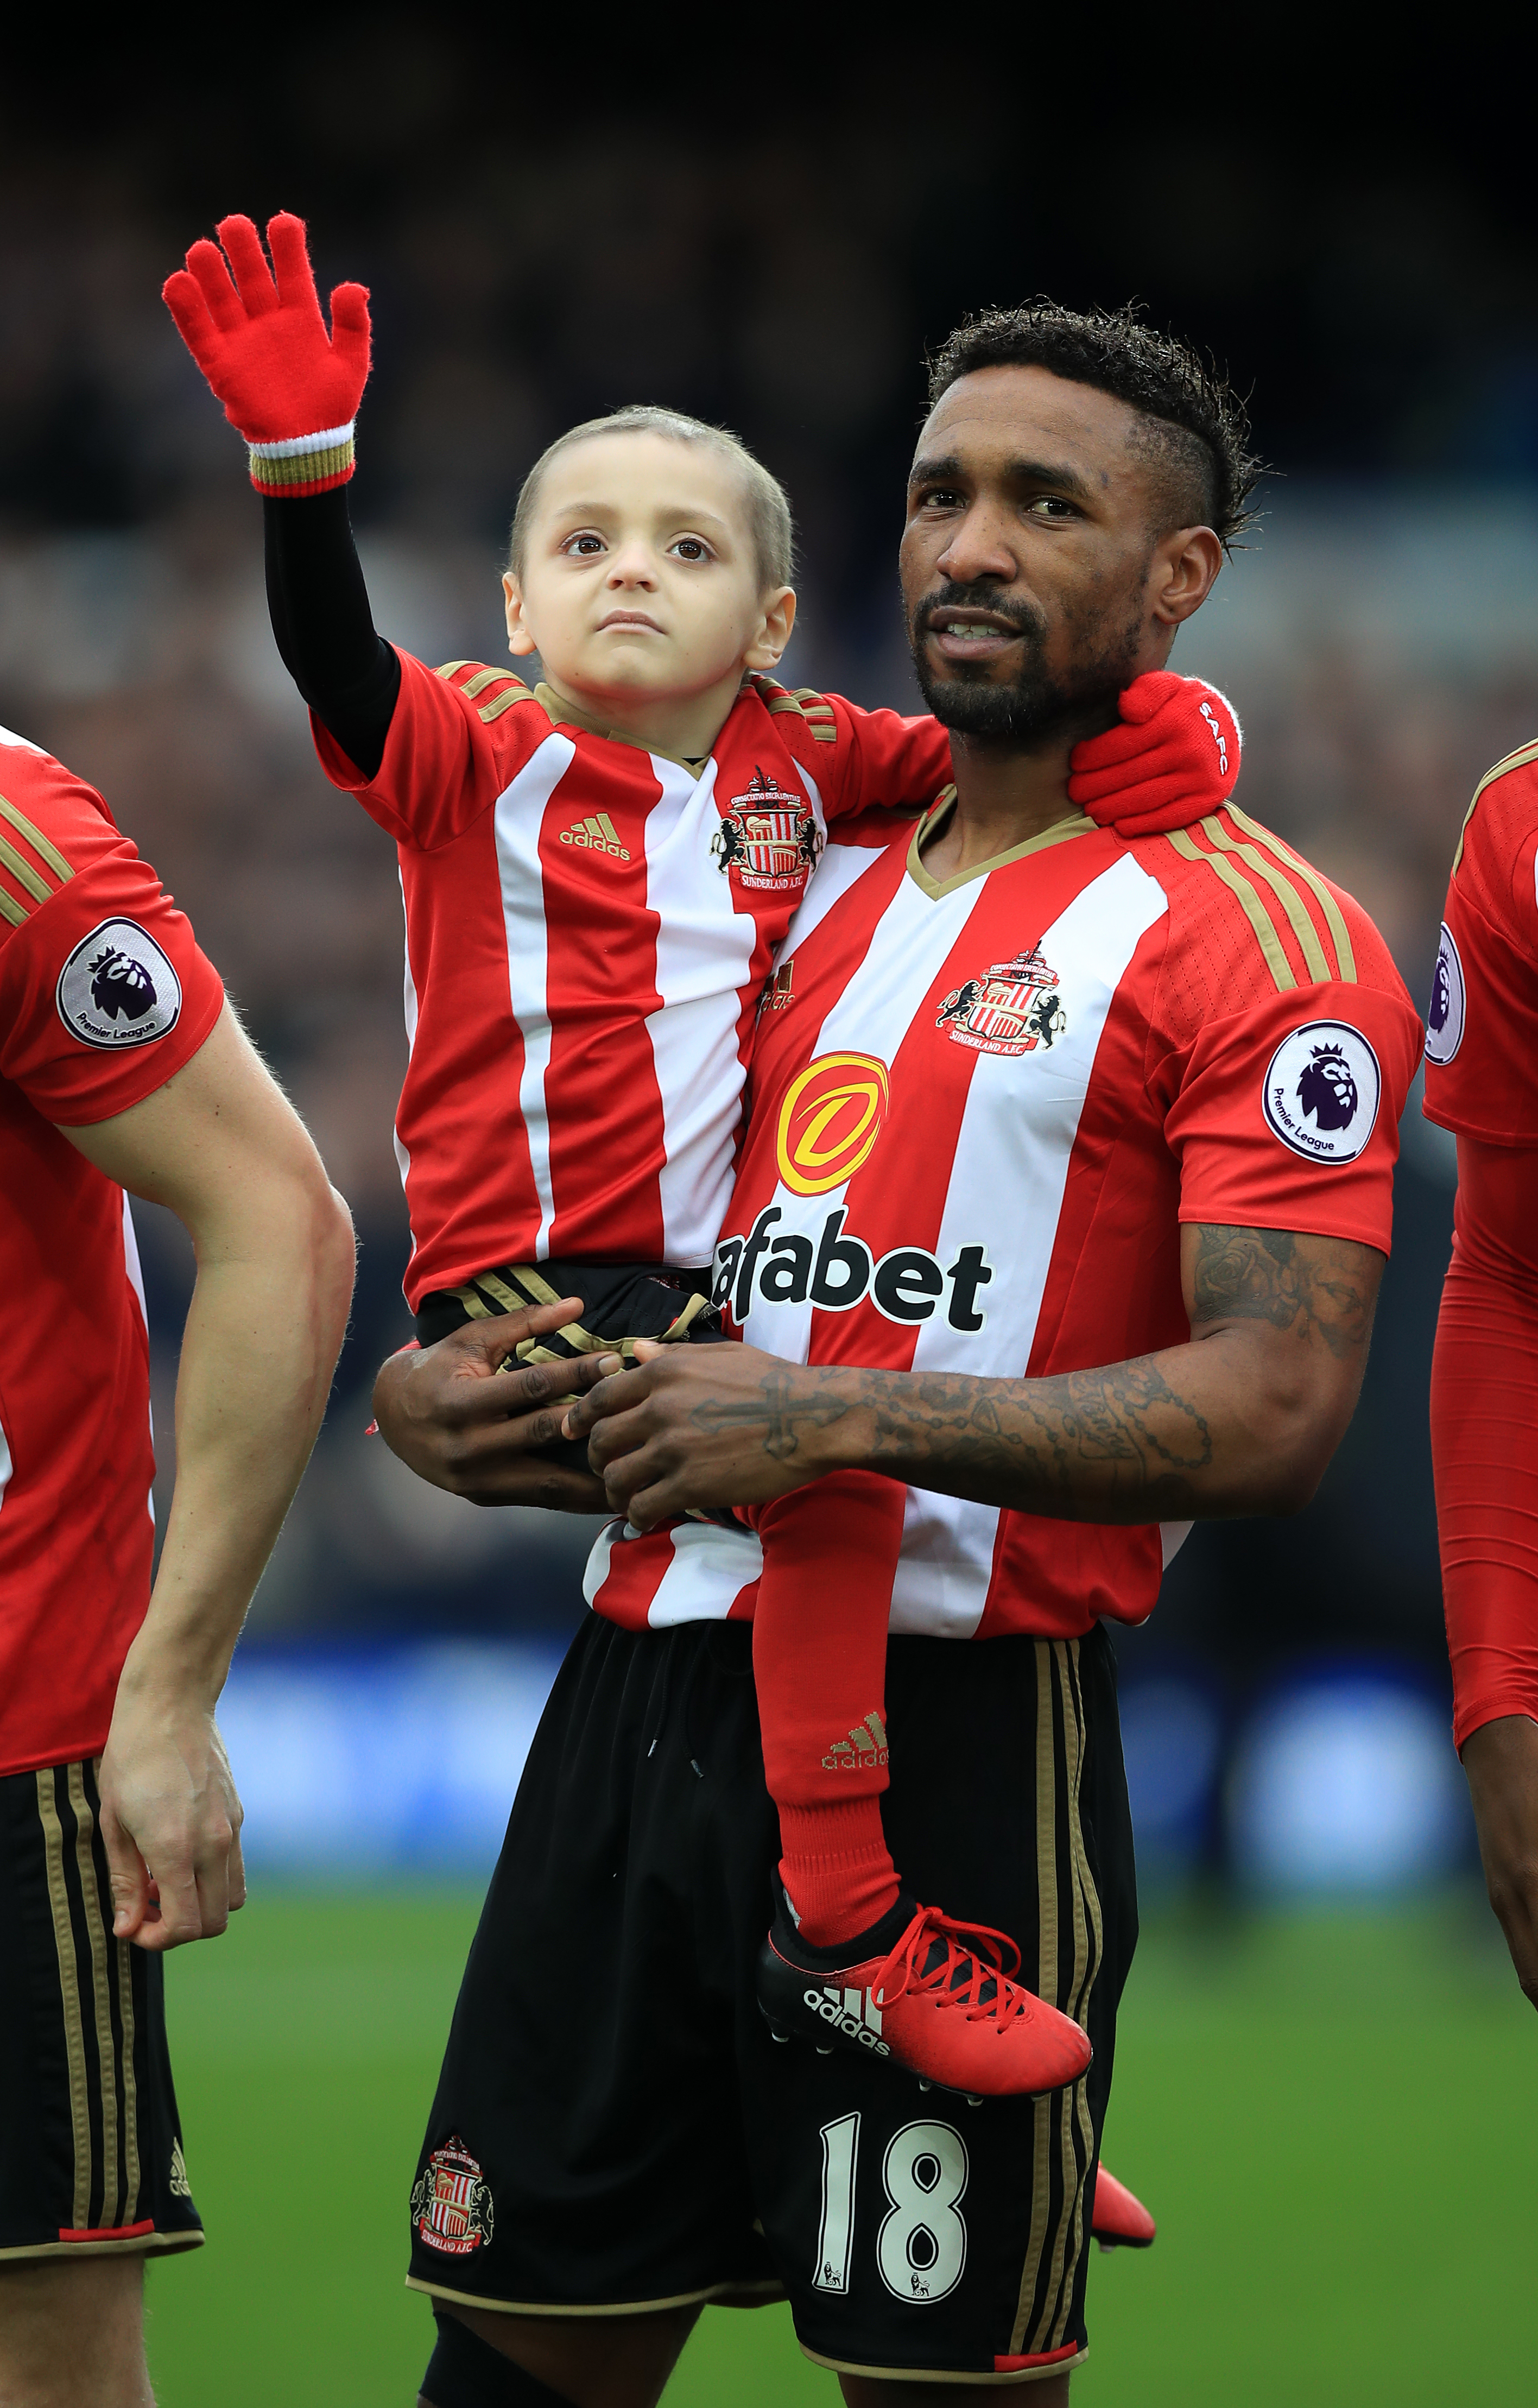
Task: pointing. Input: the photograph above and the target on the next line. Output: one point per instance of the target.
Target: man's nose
(978, 549)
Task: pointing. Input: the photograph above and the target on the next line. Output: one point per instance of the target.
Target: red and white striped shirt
(980, 1111)
(588, 928)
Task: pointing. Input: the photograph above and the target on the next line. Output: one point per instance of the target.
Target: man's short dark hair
(1194, 426)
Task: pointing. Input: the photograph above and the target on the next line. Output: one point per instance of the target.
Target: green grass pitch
(1332, 2117)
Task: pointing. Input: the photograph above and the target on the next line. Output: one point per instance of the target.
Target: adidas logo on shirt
(596, 835)
(863, 1750)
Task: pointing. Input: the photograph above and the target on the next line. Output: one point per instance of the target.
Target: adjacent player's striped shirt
(981, 1110)
(588, 928)
(104, 995)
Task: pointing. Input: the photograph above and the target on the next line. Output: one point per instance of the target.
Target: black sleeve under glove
(345, 671)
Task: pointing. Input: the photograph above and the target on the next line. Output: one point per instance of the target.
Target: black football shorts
(615, 2128)
(91, 2157)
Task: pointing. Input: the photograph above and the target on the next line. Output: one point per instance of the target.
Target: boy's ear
(520, 636)
(779, 616)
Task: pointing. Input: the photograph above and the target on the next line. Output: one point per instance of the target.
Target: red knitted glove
(1173, 759)
(257, 333)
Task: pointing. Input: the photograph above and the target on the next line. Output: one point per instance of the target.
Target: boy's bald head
(768, 508)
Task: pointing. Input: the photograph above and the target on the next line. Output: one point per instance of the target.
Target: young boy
(597, 872)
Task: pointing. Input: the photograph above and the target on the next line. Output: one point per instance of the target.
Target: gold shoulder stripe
(483, 677)
(517, 692)
(23, 873)
(1255, 911)
(35, 837)
(1286, 896)
(1518, 760)
(452, 668)
(11, 909)
(1334, 917)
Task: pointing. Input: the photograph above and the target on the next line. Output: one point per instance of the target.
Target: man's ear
(1182, 574)
(519, 636)
(779, 616)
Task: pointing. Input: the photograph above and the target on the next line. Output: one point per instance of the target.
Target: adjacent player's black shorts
(91, 2157)
(615, 2128)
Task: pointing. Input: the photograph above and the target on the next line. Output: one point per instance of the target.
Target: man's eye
(940, 497)
(688, 547)
(1050, 506)
(583, 546)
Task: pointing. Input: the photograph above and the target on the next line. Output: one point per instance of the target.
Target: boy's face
(640, 580)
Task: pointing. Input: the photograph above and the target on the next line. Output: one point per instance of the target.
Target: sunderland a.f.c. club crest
(451, 2202)
(1012, 1008)
(767, 836)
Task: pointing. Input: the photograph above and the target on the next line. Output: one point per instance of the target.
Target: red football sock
(820, 1658)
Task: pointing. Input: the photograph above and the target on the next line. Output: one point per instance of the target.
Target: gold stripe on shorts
(69, 1987)
(106, 2047)
(1047, 1982)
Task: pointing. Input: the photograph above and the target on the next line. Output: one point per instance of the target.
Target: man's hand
(1500, 1760)
(170, 1816)
(706, 1425)
(460, 1423)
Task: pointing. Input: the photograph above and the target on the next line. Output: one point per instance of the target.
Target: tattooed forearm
(1322, 1286)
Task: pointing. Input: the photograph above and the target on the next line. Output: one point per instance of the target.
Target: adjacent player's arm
(1485, 1459)
(220, 1147)
(1243, 1419)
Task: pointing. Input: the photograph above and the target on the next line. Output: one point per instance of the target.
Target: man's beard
(1034, 707)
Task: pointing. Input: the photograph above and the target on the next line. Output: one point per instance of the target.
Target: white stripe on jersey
(7, 1467)
(835, 873)
(710, 1568)
(519, 814)
(704, 960)
(1006, 1189)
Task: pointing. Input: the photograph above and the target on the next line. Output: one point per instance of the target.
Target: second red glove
(1172, 758)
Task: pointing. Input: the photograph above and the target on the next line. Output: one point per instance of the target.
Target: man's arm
(1241, 1420)
(220, 1145)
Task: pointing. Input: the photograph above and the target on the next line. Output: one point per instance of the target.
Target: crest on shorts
(768, 836)
(1012, 1008)
(451, 2202)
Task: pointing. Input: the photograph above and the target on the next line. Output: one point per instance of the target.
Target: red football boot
(1120, 2221)
(939, 2001)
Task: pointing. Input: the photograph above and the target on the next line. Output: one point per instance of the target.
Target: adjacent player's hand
(1171, 758)
(1501, 1760)
(709, 1426)
(257, 332)
(460, 1423)
(170, 1818)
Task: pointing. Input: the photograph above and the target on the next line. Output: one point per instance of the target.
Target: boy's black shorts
(614, 2129)
(91, 2159)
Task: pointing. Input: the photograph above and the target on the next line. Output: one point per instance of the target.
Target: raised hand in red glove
(257, 333)
(1172, 758)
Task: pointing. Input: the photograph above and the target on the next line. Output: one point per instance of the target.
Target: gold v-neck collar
(561, 713)
(1075, 824)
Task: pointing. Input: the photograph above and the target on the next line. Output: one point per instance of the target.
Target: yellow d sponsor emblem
(830, 1121)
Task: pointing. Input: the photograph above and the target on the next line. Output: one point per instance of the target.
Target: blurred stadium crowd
(1381, 639)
